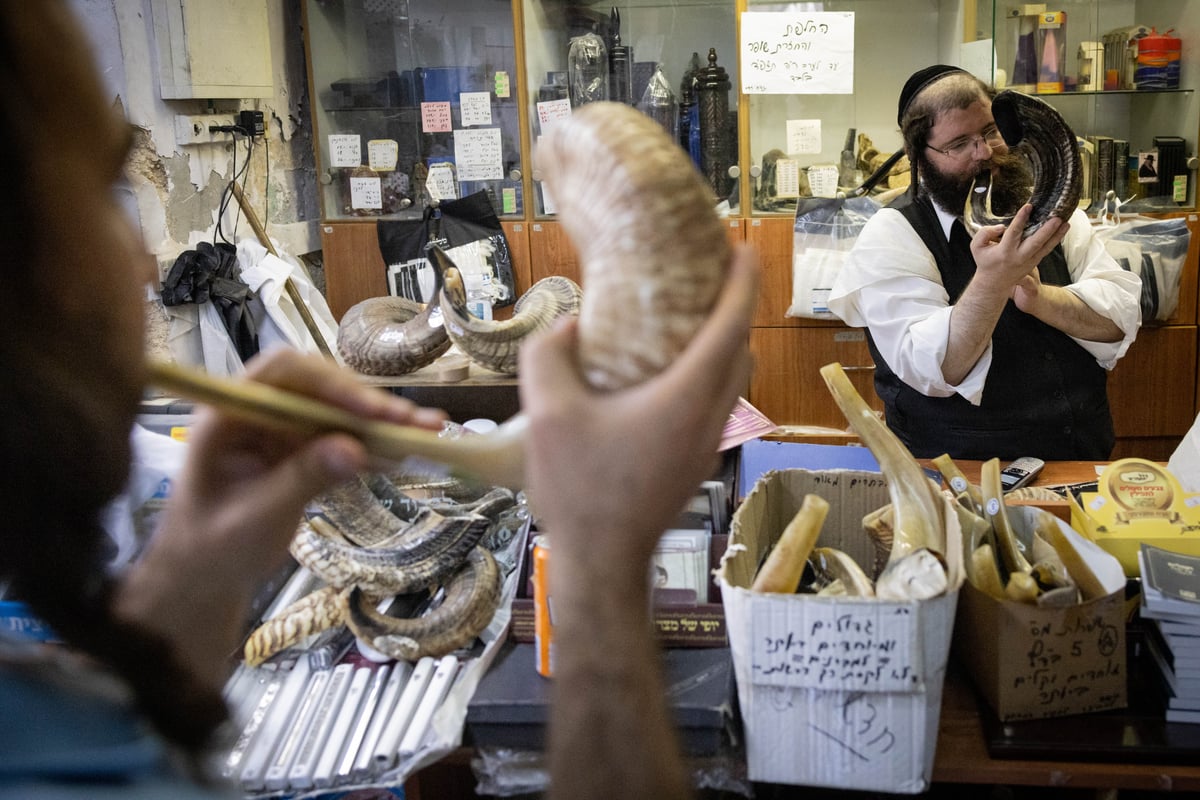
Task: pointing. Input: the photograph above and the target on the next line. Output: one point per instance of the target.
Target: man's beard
(1011, 184)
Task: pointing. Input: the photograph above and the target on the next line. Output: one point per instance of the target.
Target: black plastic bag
(210, 273)
(468, 230)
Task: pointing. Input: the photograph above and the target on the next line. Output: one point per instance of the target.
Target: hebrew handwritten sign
(858, 646)
(345, 150)
(787, 52)
(479, 155)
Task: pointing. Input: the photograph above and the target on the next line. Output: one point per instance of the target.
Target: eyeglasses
(964, 147)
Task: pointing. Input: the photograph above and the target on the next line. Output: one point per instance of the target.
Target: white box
(839, 692)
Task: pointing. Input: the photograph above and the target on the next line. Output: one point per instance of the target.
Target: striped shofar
(391, 336)
(469, 604)
(315, 612)
(1033, 128)
(417, 555)
(493, 344)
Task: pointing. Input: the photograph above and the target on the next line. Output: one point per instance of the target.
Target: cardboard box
(1138, 501)
(839, 692)
(1033, 663)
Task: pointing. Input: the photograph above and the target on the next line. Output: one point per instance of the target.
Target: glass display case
(649, 54)
(414, 101)
(1113, 69)
(827, 83)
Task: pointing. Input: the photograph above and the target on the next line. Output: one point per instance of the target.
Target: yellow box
(1138, 501)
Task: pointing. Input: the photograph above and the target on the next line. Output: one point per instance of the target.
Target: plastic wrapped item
(587, 70)
(658, 102)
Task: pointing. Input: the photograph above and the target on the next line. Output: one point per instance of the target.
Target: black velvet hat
(919, 80)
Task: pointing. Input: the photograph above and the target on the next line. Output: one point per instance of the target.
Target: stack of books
(1171, 606)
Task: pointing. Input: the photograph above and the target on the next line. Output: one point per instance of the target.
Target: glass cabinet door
(672, 59)
(414, 102)
(823, 85)
(1113, 70)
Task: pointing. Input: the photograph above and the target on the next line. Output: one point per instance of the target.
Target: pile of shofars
(1027, 559)
(369, 542)
(921, 563)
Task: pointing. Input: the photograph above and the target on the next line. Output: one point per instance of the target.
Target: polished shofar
(494, 344)
(391, 335)
(844, 573)
(471, 596)
(785, 564)
(315, 612)
(496, 457)
(1015, 570)
(1033, 128)
(915, 568)
(419, 555)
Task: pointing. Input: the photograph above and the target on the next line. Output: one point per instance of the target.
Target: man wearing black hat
(991, 346)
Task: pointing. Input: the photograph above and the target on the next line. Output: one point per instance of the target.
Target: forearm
(1062, 309)
(972, 321)
(610, 731)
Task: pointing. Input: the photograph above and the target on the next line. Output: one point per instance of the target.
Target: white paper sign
(823, 180)
(803, 136)
(478, 155)
(865, 646)
(475, 108)
(345, 150)
(787, 178)
(440, 183)
(788, 52)
(366, 193)
(551, 111)
(382, 154)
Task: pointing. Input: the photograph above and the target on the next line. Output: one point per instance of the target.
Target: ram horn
(1033, 129)
(420, 555)
(494, 344)
(653, 254)
(391, 336)
(916, 568)
(471, 598)
(315, 612)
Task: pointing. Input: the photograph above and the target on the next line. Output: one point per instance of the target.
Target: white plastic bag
(1154, 249)
(825, 231)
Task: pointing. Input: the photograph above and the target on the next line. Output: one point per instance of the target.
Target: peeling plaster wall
(175, 190)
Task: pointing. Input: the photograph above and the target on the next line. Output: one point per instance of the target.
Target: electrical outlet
(195, 128)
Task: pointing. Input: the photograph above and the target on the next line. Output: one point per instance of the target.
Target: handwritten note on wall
(785, 52)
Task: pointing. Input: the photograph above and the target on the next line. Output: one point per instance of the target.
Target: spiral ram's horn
(1034, 129)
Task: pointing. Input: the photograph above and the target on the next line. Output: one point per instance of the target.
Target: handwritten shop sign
(789, 52)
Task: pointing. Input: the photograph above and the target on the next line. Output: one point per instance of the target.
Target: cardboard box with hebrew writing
(1034, 663)
(841, 692)
(1138, 501)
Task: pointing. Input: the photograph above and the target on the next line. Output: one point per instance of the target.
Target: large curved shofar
(916, 568)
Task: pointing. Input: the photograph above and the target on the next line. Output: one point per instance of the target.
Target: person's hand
(1003, 258)
(1027, 292)
(608, 472)
(238, 500)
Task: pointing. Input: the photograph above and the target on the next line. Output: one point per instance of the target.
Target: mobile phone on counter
(1020, 472)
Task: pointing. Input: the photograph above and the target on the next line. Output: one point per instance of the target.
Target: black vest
(1044, 396)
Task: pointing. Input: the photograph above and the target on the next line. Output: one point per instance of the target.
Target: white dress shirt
(890, 284)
